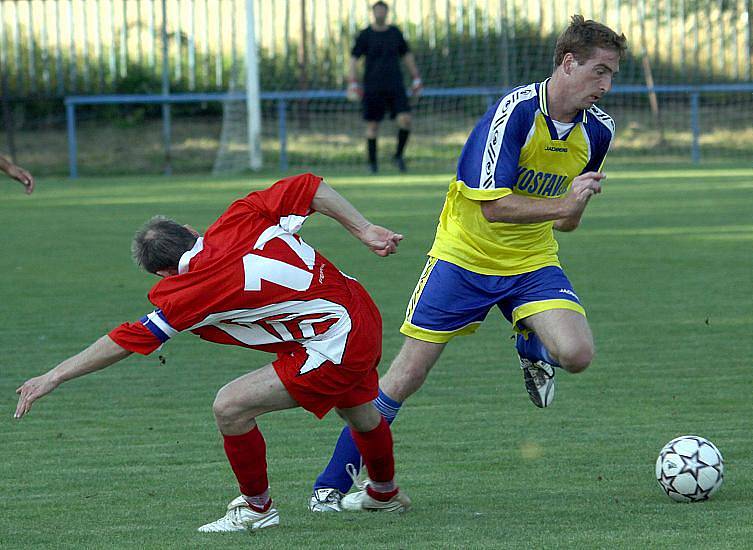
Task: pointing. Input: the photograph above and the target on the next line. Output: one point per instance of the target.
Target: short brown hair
(582, 37)
(160, 244)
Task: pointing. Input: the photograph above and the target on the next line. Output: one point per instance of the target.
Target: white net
(469, 52)
(232, 153)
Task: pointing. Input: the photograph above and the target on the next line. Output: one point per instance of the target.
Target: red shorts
(355, 380)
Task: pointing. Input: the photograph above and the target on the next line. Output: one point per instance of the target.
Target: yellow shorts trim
(437, 336)
(531, 308)
(430, 263)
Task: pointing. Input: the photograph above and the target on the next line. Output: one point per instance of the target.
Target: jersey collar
(185, 259)
(544, 104)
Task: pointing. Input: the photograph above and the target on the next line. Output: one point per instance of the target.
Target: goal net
(469, 52)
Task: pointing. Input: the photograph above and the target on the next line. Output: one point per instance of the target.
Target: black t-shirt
(383, 50)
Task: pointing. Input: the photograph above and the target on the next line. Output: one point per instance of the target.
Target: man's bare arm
(102, 353)
(417, 84)
(379, 240)
(354, 91)
(519, 209)
(568, 224)
(410, 62)
(353, 69)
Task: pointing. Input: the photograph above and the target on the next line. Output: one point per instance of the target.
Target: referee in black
(383, 89)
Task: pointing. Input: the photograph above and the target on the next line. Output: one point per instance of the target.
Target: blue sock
(346, 452)
(532, 348)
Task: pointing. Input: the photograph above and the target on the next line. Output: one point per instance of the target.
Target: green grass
(129, 457)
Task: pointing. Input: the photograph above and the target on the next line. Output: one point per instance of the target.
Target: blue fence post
(282, 113)
(695, 126)
(70, 121)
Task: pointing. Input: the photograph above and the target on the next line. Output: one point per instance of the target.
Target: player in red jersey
(251, 281)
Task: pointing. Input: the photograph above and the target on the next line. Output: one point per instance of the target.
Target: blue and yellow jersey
(516, 148)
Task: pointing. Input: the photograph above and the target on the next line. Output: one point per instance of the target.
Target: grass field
(130, 458)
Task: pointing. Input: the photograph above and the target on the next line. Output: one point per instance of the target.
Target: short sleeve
(488, 165)
(361, 45)
(600, 132)
(289, 196)
(145, 335)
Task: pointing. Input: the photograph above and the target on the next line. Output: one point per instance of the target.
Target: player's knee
(226, 412)
(576, 358)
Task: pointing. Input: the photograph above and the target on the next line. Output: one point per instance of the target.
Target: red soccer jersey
(251, 281)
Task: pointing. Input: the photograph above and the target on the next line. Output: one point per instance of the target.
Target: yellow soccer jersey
(516, 148)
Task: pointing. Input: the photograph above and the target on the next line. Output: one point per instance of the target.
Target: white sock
(383, 486)
(258, 501)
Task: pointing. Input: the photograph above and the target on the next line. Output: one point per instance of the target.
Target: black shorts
(375, 104)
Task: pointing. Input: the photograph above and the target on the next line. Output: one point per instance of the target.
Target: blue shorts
(450, 301)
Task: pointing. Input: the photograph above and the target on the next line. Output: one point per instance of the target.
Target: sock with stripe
(376, 449)
(247, 454)
(335, 475)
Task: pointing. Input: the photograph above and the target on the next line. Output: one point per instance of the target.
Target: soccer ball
(690, 469)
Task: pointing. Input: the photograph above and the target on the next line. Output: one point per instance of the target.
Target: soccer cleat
(400, 163)
(362, 501)
(539, 379)
(325, 500)
(240, 517)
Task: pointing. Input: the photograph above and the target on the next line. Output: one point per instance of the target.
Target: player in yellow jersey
(530, 166)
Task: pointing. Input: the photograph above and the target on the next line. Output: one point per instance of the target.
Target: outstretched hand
(31, 390)
(380, 240)
(26, 179)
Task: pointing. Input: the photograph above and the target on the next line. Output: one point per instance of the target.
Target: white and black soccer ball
(690, 469)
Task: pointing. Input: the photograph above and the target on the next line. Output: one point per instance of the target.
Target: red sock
(376, 450)
(247, 454)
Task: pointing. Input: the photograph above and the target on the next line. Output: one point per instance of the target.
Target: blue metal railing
(282, 99)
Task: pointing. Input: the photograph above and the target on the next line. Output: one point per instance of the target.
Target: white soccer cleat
(539, 379)
(363, 501)
(325, 500)
(240, 517)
